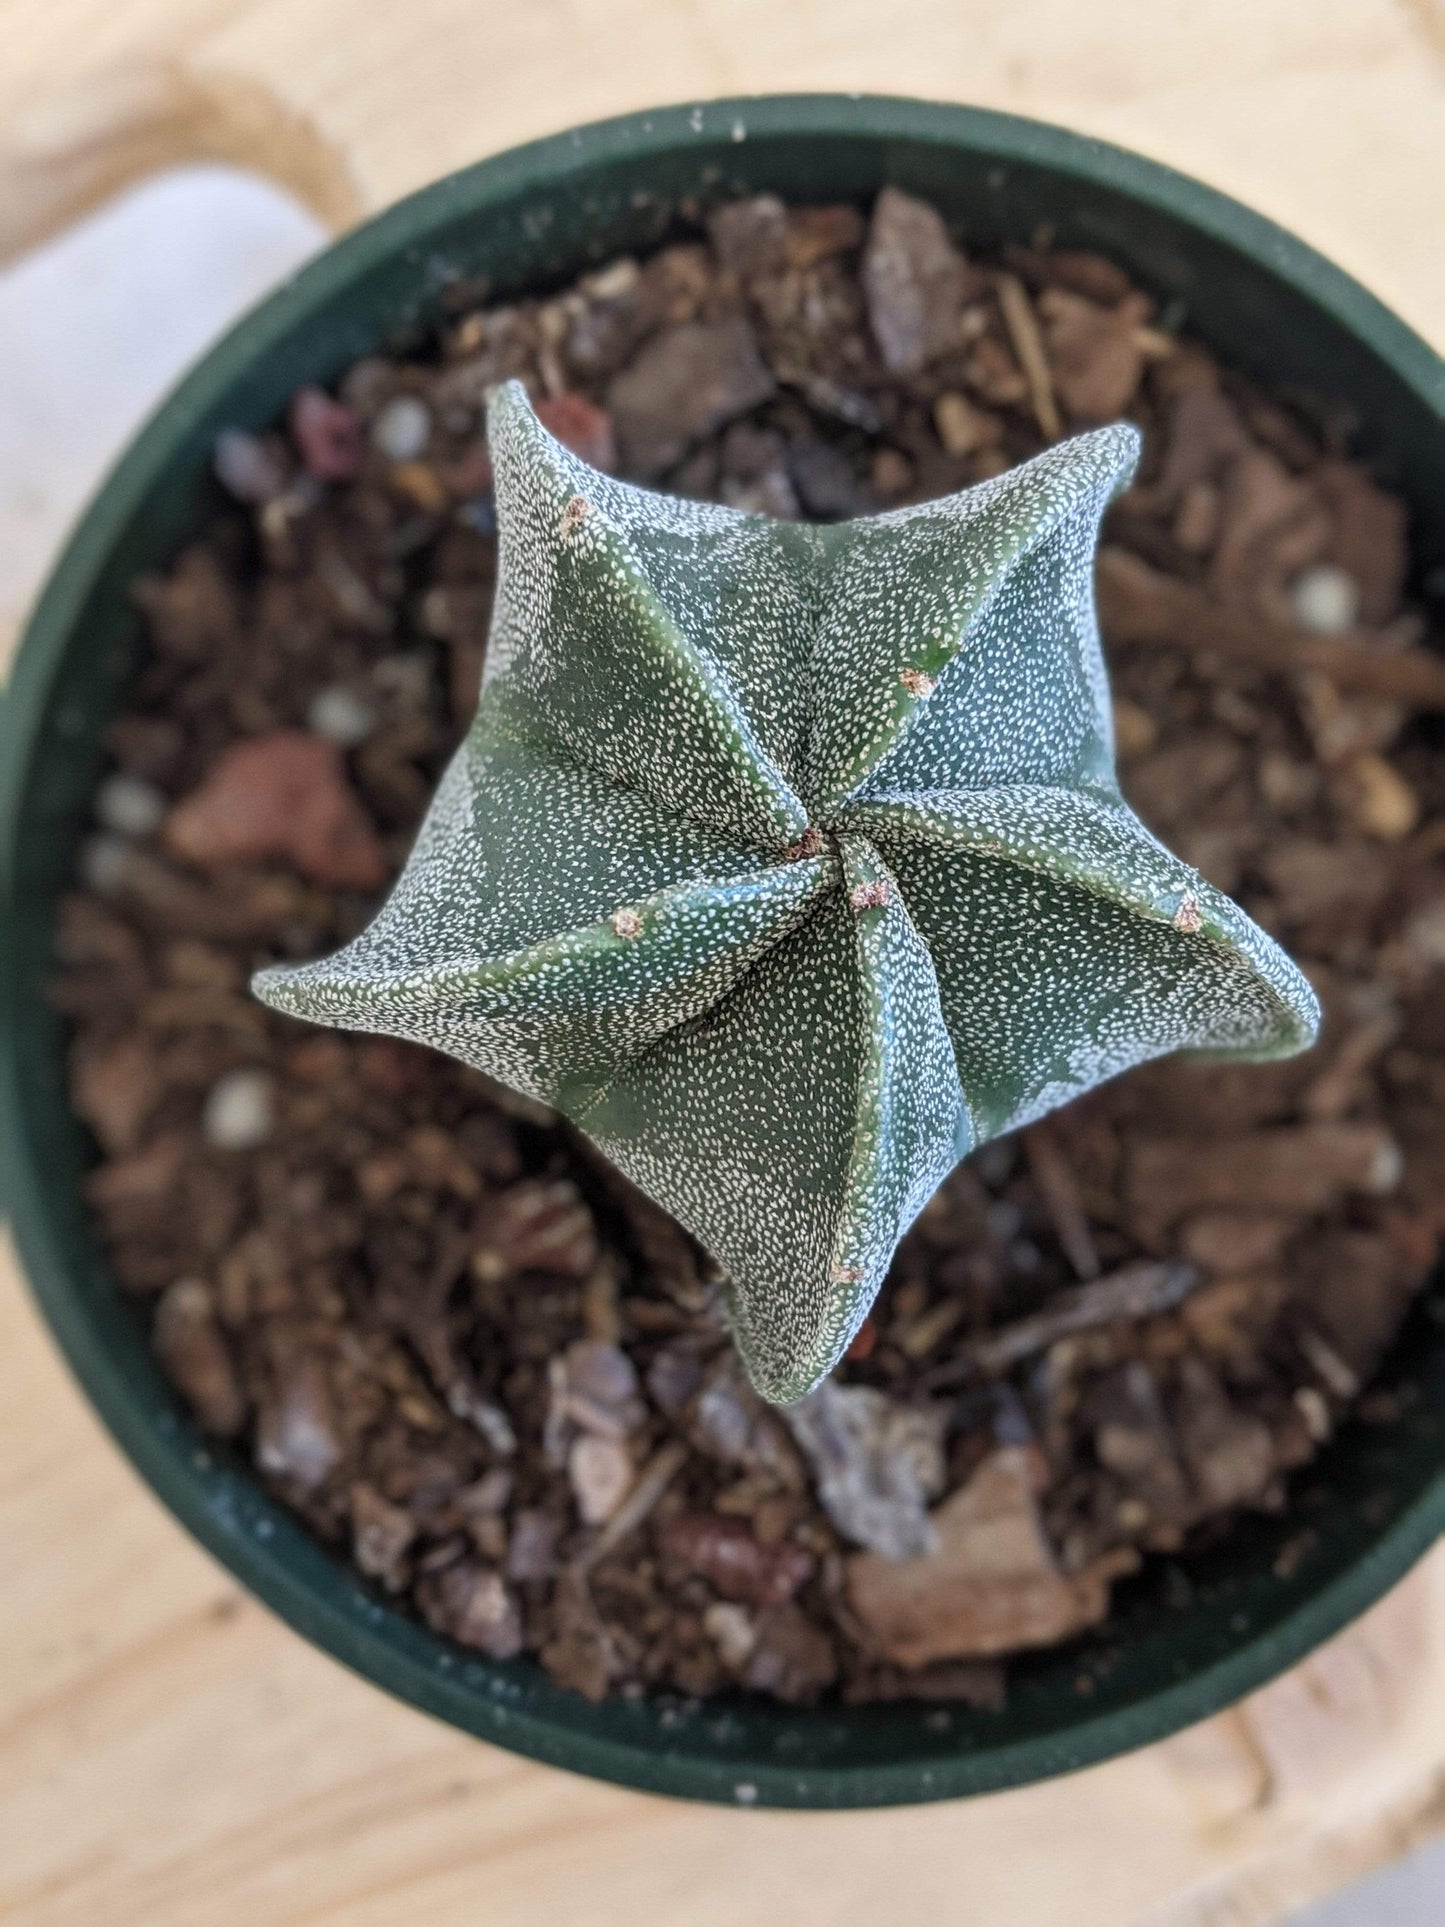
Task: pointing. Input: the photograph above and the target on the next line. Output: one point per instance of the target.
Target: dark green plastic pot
(1185, 1641)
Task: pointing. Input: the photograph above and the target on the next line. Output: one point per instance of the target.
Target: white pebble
(601, 1474)
(239, 1110)
(1387, 1167)
(403, 428)
(246, 467)
(340, 716)
(104, 861)
(129, 806)
(730, 1628)
(1325, 600)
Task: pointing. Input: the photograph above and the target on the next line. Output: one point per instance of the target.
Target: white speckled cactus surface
(789, 862)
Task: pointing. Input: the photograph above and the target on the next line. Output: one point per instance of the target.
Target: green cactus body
(790, 864)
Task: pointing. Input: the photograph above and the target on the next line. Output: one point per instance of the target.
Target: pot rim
(224, 1507)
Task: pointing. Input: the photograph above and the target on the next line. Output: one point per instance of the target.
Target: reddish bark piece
(1296, 1169)
(471, 473)
(1203, 433)
(1370, 537)
(816, 233)
(316, 1060)
(992, 1585)
(1361, 1286)
(192, 1347)
(1229, 1451)
(1090, 275)
(581, 1653)
(865, 1343)
(297, 1435)
(1094, 352)
(582, 426)
(193, 611)
(726, 1554)
(1226, 1241)
(387, 1064)
(141, 1178)
(793, 1658)
(1272, 525)
(539, 1225)
(1138, 603)
(327, 435)
(437, 1162)
(382, 1535)
(284, 796)
(1232, 1318)
(115, 1090)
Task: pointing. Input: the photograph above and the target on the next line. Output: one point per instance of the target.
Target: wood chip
(1054, 1180)
(925, 1333)
(1136, 1291)
(1299, 1168)
(1028, 346)
(1139, 604)
(991, 1586)
(653, 1480)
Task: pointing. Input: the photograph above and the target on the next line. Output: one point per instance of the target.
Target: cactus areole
(789, 862)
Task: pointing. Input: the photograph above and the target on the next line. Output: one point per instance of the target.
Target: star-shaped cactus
(789, 863)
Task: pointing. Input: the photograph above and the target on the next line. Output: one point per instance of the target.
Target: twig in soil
(831, 398)
(1135, 1291)
(1028, 346)
(1059, 1191)
(431, 1337)
(1138, 603)
(654, 1479)
(1338, 1377)
(929, 1330)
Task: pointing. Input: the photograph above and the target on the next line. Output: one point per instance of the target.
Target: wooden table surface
(170, 1755)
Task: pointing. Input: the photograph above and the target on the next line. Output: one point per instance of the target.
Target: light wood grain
(169, 1754)
(1329, 114)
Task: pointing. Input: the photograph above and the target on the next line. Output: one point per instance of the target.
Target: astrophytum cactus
(789, 863)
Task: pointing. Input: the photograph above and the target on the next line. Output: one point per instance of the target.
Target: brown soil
(450, 1338)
